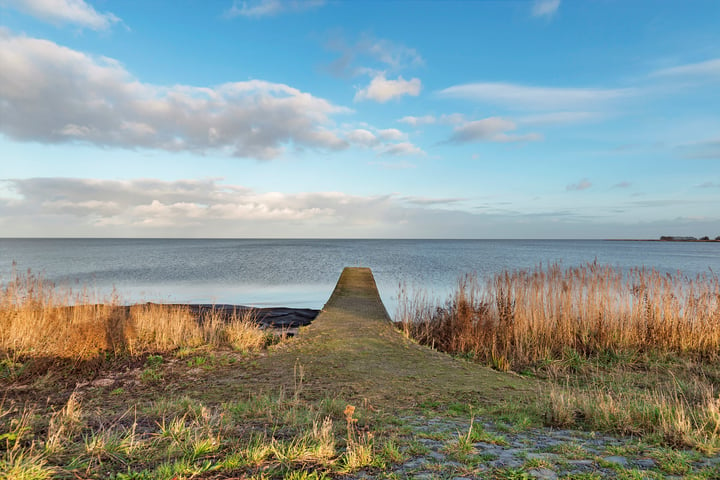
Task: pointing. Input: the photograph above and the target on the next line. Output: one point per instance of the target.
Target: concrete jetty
(356, 292)
(353, 349)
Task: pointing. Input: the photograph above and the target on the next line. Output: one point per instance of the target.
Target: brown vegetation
(628, 352)
(40, 320)
(525, 317)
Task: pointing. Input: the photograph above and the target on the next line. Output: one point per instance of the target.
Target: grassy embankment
(98, 391)
(155, 394)
(635, 353)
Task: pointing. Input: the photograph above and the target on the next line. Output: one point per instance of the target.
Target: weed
(151, 375)
(511, 474)
(153, 361)
(476, 433)
(63, 425)
(673, 462)
(390, 452)
(569, 450)
(583, 476)
(415, 448)
(21, 464)
(10, 367)
(459, 409)
(359, 450)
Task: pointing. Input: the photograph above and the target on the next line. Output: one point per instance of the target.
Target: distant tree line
(670, 238)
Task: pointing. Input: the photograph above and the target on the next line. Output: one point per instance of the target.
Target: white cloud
(709, 68)
(583, 184)
(381, 90)
(75, 12)
(545, 8)
(416, 121)
(542, 98)
(270, 8)
(449, 119)
(392, 134)
(492, 129)
(367, 138)
(402, 149)
(52, 94)
(362, 137)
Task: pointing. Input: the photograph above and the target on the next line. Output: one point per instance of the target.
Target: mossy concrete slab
(352, 347)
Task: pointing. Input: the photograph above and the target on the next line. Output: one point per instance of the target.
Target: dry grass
(40, 320)
(626, 352)
(670, 417)
(524, 317)
(185, 442)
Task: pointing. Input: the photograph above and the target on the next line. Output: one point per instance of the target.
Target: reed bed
(38, 319)
(525, 317)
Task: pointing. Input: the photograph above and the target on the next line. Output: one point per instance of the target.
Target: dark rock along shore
(282, 318)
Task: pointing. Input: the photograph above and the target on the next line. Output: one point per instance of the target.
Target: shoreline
(284, 319)
(660, 240)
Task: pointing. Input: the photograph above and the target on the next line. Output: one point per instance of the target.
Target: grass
(40, 321)
(270, 412)
(634, 353)
(525, 317)
(340, 398)
(170, 439)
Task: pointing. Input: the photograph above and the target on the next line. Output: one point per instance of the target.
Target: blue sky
(270, 118)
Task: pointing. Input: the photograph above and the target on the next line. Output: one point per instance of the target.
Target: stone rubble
(539, 453)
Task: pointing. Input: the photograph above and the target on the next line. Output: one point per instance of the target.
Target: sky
(359, 119)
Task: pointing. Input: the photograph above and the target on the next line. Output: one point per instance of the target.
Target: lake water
(302, 273)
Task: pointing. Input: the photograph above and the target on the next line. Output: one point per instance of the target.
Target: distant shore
(667, 239)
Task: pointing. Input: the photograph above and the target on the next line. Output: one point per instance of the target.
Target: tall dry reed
(39, 320)
(523, 317)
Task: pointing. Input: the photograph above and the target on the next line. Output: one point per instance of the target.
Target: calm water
(302, 273)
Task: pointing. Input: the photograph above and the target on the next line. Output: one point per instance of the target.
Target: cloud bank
(53, 94)
(212, 208)
(149, 207)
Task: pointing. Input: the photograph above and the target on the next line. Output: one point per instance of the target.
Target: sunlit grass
(173, 438)
(39, 320)
(529, 316)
